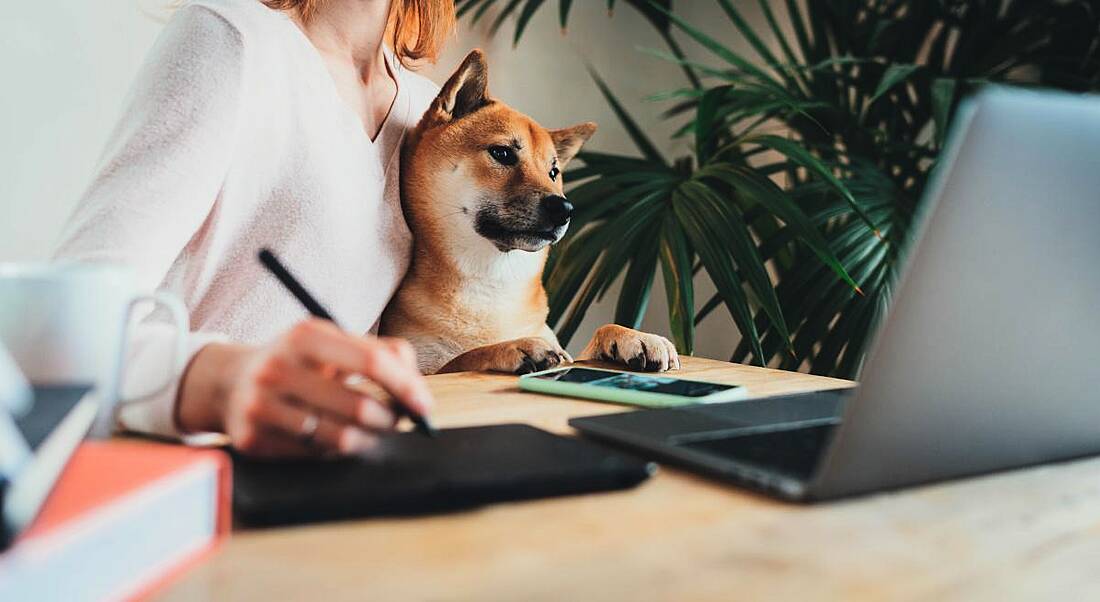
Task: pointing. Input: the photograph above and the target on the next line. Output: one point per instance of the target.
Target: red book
(123, 520)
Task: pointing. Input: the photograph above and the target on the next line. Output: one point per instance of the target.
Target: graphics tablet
(413, 474)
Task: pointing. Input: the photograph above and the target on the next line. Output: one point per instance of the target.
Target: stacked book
(123, 519)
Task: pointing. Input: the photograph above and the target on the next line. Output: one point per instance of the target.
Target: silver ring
(308, 430)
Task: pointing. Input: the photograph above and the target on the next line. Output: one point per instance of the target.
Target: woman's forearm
(204, 387)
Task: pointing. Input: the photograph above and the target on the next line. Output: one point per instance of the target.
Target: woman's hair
(416, 28)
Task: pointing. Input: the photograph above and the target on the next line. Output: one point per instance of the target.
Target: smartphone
(644, 390)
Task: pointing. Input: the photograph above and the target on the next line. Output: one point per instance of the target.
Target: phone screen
(636, 382)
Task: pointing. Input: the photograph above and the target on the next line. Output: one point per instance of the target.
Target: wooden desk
(1026, 534)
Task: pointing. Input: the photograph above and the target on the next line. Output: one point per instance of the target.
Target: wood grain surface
(1030, 534)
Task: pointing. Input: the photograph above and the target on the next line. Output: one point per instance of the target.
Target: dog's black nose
(557, 209)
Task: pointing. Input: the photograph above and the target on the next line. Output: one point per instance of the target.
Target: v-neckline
(385, 137)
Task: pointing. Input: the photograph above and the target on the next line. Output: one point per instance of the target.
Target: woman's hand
(283, 399)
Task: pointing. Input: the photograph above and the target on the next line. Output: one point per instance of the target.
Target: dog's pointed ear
(568, 141)
(466, 91)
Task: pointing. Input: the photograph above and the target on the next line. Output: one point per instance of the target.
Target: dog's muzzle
(542, 224)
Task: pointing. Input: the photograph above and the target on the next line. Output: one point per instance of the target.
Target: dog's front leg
(638, 350)
(518, 356)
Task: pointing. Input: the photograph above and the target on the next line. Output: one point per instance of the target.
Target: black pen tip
(425, 427)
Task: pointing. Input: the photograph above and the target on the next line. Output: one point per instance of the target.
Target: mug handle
(179, 349)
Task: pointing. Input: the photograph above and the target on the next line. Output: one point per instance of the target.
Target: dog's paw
(638, 350)
(522, 356)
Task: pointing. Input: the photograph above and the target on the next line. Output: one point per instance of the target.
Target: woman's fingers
(323, 343)
(314, 389)
(272, 443)
(402, 348)
(291, 398)
(403, 381)
(310, 428)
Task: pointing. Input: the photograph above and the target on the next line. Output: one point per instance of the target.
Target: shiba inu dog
(481, 188)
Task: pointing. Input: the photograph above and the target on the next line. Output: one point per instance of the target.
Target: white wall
(67, 64)
(66, 67)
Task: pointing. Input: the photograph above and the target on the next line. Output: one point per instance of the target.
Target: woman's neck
(350, 31)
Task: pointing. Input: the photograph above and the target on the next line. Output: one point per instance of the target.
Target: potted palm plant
(809, 160)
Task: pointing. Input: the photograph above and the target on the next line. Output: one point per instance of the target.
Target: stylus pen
(276, 267)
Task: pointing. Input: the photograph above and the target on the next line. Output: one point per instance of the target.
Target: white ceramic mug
(66, 323)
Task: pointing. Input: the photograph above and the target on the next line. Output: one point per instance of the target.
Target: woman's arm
(157, 181)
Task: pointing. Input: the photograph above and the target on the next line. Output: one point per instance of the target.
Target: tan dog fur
(472, 301)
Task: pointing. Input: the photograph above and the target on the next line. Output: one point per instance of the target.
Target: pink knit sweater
(235, 138)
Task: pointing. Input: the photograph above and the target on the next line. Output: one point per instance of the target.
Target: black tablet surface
(413, 474)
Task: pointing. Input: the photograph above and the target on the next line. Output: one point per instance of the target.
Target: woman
(270, 123)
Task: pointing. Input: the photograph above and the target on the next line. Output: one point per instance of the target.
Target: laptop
(989, 356)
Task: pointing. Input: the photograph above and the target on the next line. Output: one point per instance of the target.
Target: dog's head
(475, 169)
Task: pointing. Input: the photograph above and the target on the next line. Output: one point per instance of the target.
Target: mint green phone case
(644, 399)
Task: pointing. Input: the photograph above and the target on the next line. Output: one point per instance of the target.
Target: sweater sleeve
(156, 184)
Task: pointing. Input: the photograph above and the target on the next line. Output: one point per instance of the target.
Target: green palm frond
(811, 151)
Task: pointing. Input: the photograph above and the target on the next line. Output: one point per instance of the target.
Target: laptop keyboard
(794, 452)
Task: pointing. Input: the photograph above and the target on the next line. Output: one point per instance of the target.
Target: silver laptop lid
(989, 356)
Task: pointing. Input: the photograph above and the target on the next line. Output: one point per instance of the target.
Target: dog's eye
(554, 171)
(504, 155)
